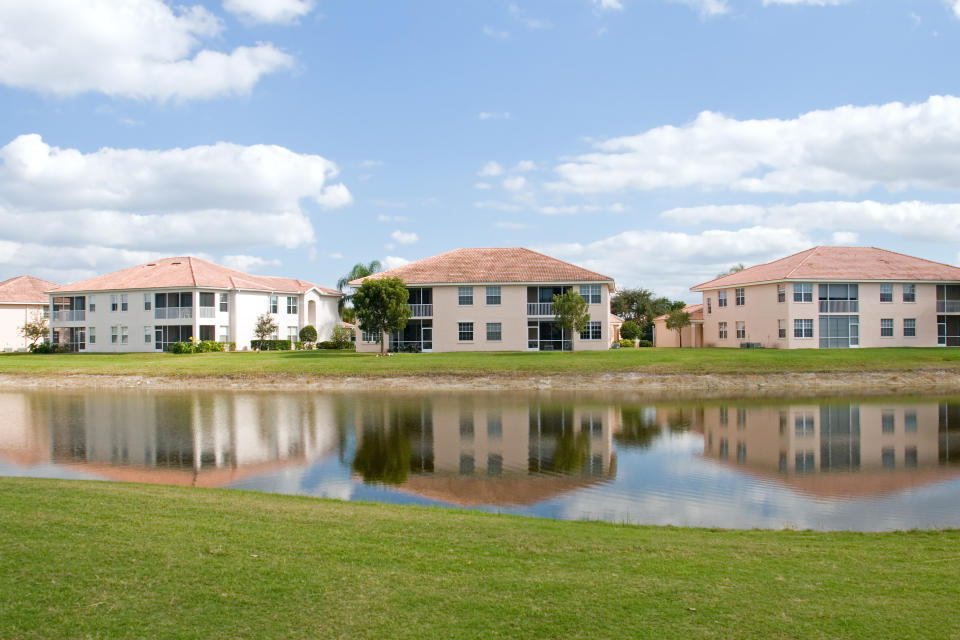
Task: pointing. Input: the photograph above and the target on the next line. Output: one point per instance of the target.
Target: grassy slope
(92, 559)
(348, 363)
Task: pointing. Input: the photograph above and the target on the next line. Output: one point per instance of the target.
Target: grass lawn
(84, 559)
(321, 363)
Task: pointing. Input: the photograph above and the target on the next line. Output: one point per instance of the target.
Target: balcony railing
(839, 306)
(173, 313)
(948, 306)
(540, 309)
(421, 310)
(69, 316)
(208, 312)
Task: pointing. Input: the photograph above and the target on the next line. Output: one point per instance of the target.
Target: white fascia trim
(609, 283)
(819, 280)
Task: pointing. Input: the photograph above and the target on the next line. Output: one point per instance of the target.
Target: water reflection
(864, 464)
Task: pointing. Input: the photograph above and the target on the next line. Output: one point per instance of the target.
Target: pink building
(835, 297)
(689, 336)
(497, 299)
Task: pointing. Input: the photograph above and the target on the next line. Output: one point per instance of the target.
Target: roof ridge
(193, 273)
(897, 253)
(810, 252)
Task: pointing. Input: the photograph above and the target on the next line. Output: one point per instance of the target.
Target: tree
(308, 334)
(641, 306)
(264, 326)
(341, 337)
(630, 330)
(35, 329)
(347, 314)
(734, 269)
(677, 320)
(572, 312)
(358, 271)
(381, 305)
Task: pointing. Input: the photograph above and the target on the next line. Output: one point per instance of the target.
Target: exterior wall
(762, 312)
(12, 317)
(511, 313)
(663, 337)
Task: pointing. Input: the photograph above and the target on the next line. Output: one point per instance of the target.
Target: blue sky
(656, 141)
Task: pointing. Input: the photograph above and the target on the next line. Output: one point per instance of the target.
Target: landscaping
(87, 559)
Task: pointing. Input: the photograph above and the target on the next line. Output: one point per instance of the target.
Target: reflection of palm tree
(637, 431)
(572, 452)
(358, 271)
(383, 456)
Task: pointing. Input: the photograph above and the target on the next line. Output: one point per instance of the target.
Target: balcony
(839, 306)
(78, 315)
(540, 309)
(173, 313)
(948, 306)
(208, 312)
(421, 310)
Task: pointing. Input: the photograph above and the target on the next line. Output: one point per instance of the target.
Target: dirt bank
(634, 384)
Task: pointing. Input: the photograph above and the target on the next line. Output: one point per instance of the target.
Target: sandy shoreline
(643, 384)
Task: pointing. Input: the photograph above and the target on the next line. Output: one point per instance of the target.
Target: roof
(25, 289)
(615, 319)
(188, 272)
(508, 264)
(695, 311)
(839, 263)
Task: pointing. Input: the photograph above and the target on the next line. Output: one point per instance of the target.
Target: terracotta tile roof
(511, 264)
(840, 263)
(25, 289)
(188, 272)
(615, 319)
(695, 311)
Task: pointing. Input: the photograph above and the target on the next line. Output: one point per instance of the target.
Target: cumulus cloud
(816, 3)
(846, 150)
(514, 183)
(523, 18)
(954, 5)
(487, 115)
(141, 49)
(524, 166)
(845, 238)
(248, 264)
(482, 186)
(706, 8)
(616, 5)
(67, 264)
(269, 11)
(490, 169)
(496, 34)
(392, 262)
(404, 237)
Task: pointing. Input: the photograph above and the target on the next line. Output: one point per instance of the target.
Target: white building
(21, 299)
(153, 305)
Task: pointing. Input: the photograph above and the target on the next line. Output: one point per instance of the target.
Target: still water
(861, 464)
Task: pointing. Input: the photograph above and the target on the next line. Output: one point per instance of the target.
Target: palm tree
(359, 270)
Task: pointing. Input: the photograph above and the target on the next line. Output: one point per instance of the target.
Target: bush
(46, 347)
(336, 346)
(408, 348)
(181, 347)
(342, 336)
(308, 334)
(630, 330)
(644, 343)
(624, 343)
(270, 345)
(209, 346)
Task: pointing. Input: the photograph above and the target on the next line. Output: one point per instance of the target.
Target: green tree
(308, 334)
(676, 321)
(358, 271)
(381, 305)
(572, 313)
(641, 306)
(35, 329)
(263, 327)
(341, 337)
(348, 314)
(733, 269)
(630, 330)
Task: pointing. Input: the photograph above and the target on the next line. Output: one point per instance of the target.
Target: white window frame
(147, 302)
(781, 329)
(886, 291)
(722, 331)
(495, 331)
(147, 335)
(370, 337)
(114, 335)
(912, 328)
(114, 302)
(463, 329)
(494, 295)
(913, 293)
(591, 293)
(741, 330)
(274, 304)
(465, 296)
(721, 299)
(292, 306)
(224, 303)
(886, 324)
(223, 333)
(781, 293)
(293, 334)
(91, 335)
(803, 292)
(594, 331)
(709, 306)
(803, 328)
(740, 296)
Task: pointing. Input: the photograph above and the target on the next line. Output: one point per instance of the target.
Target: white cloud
(366, 164)
(514, 183)
(512, 225)
(816, 3)
(521, 16)
(269, 11)
(336, 256)
(933, 222)
(616, 5)
(844, 238)
(482, 186)
(67, 264)
(392, 262)
(491, 169)
(384, 218)
(847, 150)
(706, 8)
(496, 34)
(404, 237)
(486, 115)
(389, 204)
(670, 263)
(955, 6)
(248, 264)
(140, 49)
(524, 166)
(497, 205)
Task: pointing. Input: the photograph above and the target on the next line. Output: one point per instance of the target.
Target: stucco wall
(12, 318)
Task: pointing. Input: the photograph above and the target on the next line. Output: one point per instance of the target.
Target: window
(803, 292)
(910, 327)
(721, 298)
(887, 421)
(741, 330)
(886, 293)
(724, 450)
(466, 465)
(741, 417)
(93, 303)
(147, 335)
(466, 425)
(494, 464)
(273, 304)
(886, 327)
(909, 293)
(292, 334)
(741, 452)
(464, 296)
(207, 332)
(839, 298)
(781, 328)
(465, 331)
(781, 293)
(114, 304)
(292, 305)
(590, 293)
(910, 457)
(494, 331)
(124, 335)
(223, 334)
(803, 328)
(803, 425)
(910, 421)
(804, 461)
(114, 335)
(223, 302)
(494, 426)
(146, 302)
(724, 416)
(207, 299)
(370, 337)
(888, 458)
(741, 297)
(722, 330)
(166, 335)
(92, 335)
(493, 294)
(709, 306)
(594, 331)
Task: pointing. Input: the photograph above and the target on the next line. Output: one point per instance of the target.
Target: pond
(861, 464)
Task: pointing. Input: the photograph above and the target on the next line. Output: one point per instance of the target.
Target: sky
(656, 141)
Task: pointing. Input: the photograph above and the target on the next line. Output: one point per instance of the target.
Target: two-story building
(153, 305)
(835, 297)
(21, 299)
(498, 299)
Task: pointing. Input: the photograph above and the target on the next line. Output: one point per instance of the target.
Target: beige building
(21, 299)
(689, 336)
(835, 297)
(495, 300)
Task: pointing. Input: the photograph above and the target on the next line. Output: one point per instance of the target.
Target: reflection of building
(471, 451)
(185, 439)
(865, 448)
(21, 299)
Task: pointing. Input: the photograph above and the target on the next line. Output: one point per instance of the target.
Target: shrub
(308, 334)
(630, 330)
(644, 343)
(270, 345)
(209, 346)
(181, 347)
(625, 343)
(342, 336)
(43, 347)
(336, 346)
(408, 348)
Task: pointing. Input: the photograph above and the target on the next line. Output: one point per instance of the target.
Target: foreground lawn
(85, 559)
(319, 363)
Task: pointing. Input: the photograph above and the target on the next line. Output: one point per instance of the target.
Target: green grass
(319, 363)
(83, 559)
